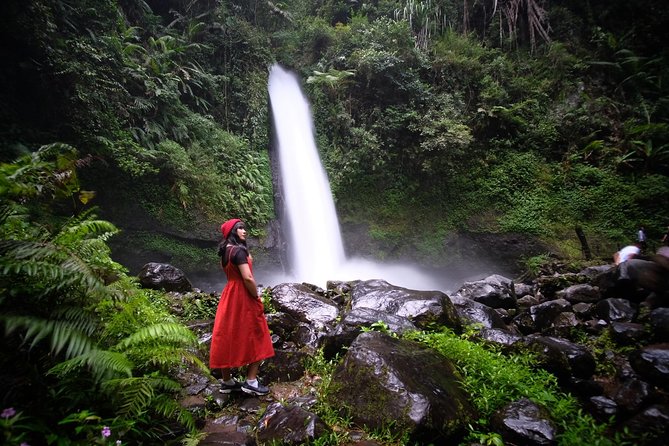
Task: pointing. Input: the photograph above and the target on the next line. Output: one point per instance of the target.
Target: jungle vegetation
(526, 116)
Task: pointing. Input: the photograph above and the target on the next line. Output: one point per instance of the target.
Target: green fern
(103, 365)
(159, 333)
(62, 335)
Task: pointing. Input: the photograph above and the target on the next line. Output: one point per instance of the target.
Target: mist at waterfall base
(315, 247)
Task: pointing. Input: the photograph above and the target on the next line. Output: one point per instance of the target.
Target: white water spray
(315, 244)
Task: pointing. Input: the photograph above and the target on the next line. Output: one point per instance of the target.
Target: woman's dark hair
(232, 240)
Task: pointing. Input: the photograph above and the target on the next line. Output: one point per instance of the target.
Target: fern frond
(78, 317)
(164, 357)
(136, 393)
(169, 408)
(173, 333)
(102, 364)
(84, 229)
(62, 334)
(54, 264)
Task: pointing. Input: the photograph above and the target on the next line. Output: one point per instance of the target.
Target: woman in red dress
(240, 336)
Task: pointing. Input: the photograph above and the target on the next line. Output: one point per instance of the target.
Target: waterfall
(315, 248)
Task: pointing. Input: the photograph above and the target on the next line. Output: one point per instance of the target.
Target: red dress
(240, 335)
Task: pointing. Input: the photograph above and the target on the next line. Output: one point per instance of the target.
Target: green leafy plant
(55, 280)
(493, 380)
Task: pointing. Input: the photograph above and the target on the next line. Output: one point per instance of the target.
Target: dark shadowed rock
(652, 422)
(628, 333)
(652, 364)
(494, 291)
(472, 312)
(420, 307)
(163, 276)
(580, 293)
(289, 424)
(524, 422)
(284, 366)
(550, 285)
(523, 289)
(503, 338)
(223, 431)
(545, 313)
(352, 324)
(384, 378)
(659, 322)
(632, 394)
(592, 272)
(614, 309)
(602, 408)
(562, 357)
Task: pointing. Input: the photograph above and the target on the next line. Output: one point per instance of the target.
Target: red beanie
(226, 227)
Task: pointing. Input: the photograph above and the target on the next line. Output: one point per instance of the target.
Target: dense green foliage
(494, 379)
(463, 114)
(85, 352)
(433, 115)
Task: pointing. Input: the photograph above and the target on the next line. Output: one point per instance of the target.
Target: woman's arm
(249, 281)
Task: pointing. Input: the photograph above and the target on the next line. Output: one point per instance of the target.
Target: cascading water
(316, 251)
(315, 245)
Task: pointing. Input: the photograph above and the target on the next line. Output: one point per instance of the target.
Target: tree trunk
(584, 243)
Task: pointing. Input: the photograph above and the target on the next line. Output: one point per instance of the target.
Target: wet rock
(652, 364)
(580, 293)
(304, 304)
(494, 291)
(472, 312)
(378, 381)
(562, 357)
(420, 307)
(352, 324)
(627, 333)
(602, 408)
(290, 425)
(614, 309)
(652, 423)
(524, 422)
(163, 276)
(545, 313)
(522, 289)
(503, 338)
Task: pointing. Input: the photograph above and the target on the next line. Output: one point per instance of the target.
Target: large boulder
(494, 291)
(420, 307)
(524, 422)
(163, 276)
(353, 323)
(304, 304)
(384, 379)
